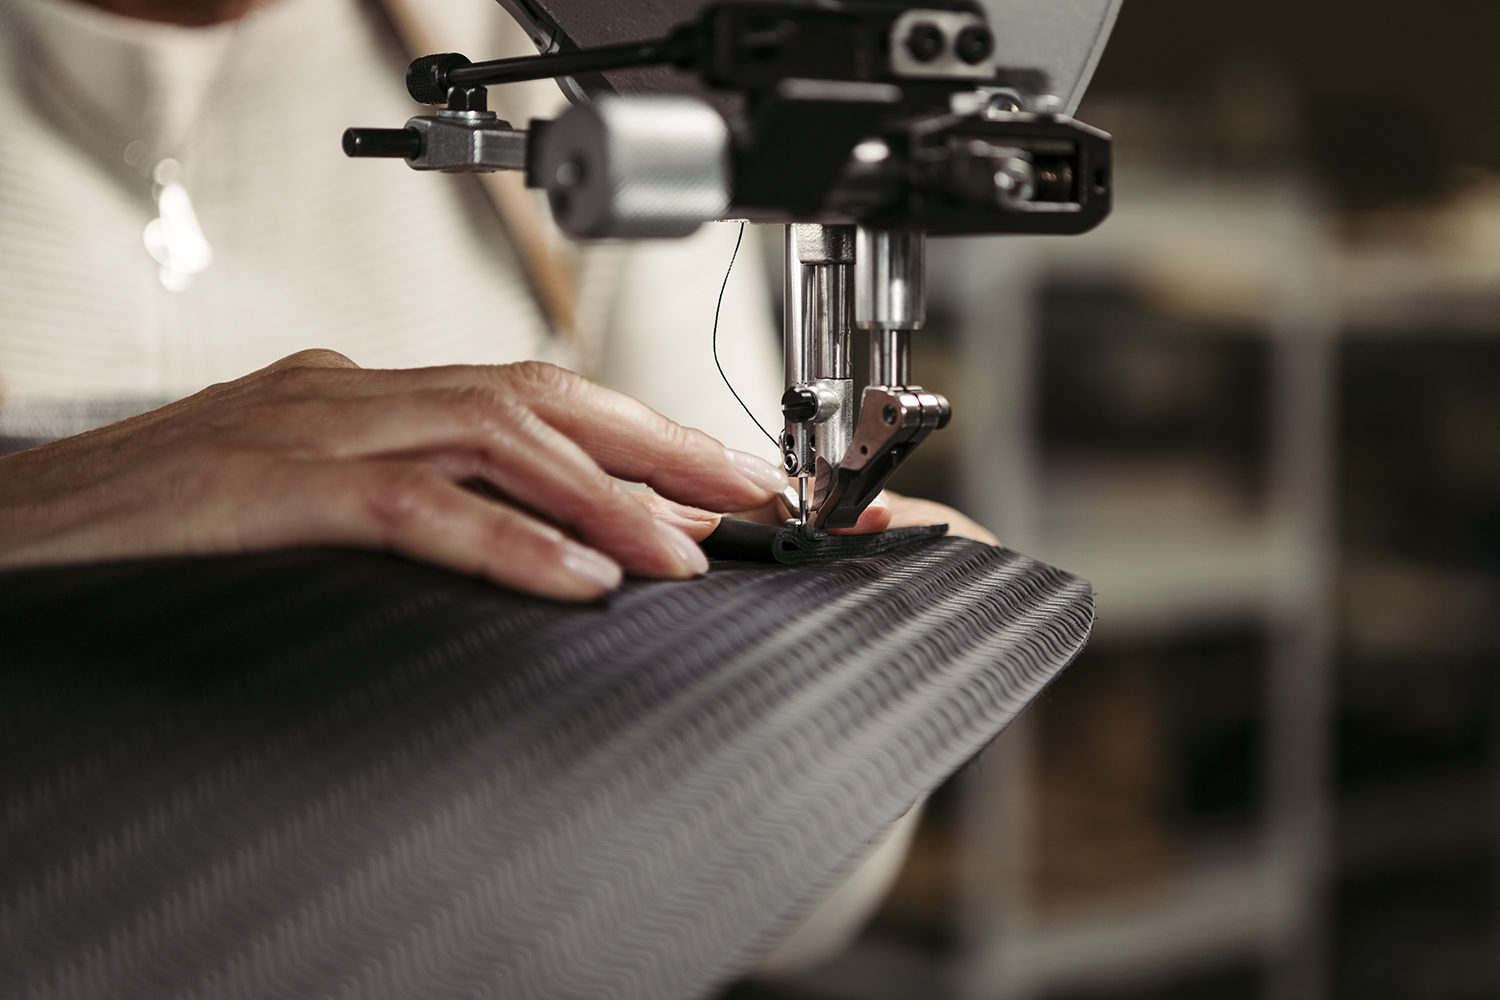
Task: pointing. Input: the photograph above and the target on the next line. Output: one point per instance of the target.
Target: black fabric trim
(792, 548)
(748, 541)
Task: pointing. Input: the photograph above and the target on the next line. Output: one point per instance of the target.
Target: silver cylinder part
(825, 306)
(798, 353)
(636, 167)
(819, 320)
(889, 268)
(890, 357)
(818, 317)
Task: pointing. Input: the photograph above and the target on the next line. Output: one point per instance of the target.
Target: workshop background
(1258, 408)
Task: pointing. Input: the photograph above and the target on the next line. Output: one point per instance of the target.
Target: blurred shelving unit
(1350, 563)
(1164, 551)
(1417, 815)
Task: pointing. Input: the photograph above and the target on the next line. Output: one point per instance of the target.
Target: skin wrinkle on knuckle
(605, 513)
(682, 443)
(631, 439)
(316, 357)
(601, 507)
(518, 541)
(538, 379)
(523, 429)
(329, 372)
(622, 505)
(673, 450)
(402, 503)
(572, 478)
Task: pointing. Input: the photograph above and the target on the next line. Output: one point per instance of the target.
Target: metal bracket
(892, 422)
(466, 141)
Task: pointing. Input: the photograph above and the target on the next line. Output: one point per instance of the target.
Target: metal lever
(430, 78)
(892, 422)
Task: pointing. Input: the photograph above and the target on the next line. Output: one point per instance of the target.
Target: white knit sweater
(310, 248)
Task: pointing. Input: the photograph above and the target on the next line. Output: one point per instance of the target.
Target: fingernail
(587, 564)
(757, 470)
(684, 548)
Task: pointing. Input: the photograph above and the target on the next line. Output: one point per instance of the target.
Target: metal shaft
(797, 352)
(818, 297)
(826, 295)
(890, 298)
(818, 321)
(651, 52)
(890, 356)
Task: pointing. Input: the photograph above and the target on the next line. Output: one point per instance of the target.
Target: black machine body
(865, 112)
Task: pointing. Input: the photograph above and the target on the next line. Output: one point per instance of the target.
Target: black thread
(727, 271)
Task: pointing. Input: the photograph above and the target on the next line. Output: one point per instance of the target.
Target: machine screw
(925, 41)
(888, 414)
(974, 44)
(799, 404)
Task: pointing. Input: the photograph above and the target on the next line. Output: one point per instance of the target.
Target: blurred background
(1260, 409)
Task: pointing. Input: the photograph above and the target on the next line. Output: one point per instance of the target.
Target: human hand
(909, 512)
(314, 450)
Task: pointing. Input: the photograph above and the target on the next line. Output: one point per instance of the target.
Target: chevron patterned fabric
(340, 774)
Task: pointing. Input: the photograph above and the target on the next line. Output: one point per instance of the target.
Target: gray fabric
(340, 774)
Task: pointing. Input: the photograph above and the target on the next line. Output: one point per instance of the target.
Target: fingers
(547, 439)
(912, 511)
(693, 522)
(874, 518)
(314, 450)
(630, 440)
(481, 434)
(410, 509)
(896, 510)
(622, 435)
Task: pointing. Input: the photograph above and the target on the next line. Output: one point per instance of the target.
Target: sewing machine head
(862, 125)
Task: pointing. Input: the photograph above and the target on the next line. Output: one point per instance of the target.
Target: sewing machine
(863, 126)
